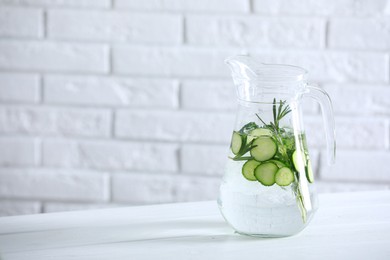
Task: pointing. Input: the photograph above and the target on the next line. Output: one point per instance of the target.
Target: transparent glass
(267, 189)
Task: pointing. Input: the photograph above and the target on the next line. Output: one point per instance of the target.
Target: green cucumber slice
(248, 169)
(260, 132)
(284, 176)
(265, 173)
(303, 164)
(278, 163)
(237, 143)
(257, 133)
(309, 172)
(265, 148)
(299, 160)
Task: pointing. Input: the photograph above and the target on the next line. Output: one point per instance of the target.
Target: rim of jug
(250, 68)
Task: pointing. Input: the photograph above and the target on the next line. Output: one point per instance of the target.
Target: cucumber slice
(265, 173)
(237, 143)
(303, 164)
(278, 163)
(299, 161)
(265, 148)
(257, 133)
(248, 170)
(284, 176)
(309, 172)
(261, 131)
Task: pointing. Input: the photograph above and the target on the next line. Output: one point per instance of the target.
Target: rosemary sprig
(279, 111)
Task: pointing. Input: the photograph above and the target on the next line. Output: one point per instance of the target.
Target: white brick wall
(114, 26)
(195, 159)
(45, 56)
(178, 126)
(108, 103)
(93, 122)
(169, 61)
(111, 155)
(14, 207)
(58, 3)
(15, 22)
(186, 5)
(360, 133)
(111, 91)
(16, 151)
(140, 188)
(247, 31)
(53, 184)
(358, 165)
(15, 87)
(321, 7)
(362, 33)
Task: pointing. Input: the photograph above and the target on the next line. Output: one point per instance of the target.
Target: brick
(114, 26)
(201, 94)
(196, 188)
(366, 165)
(238, 6)
(55, 121)
(169, 61)
(52, 184)
(52, 56)
(255, 31)
(109, 155)
(19, 87)
(174, 126)
(13, 208)
(364, 67)
(18, 151)
(363, 34)
(143, 188)
(111, 91)
(18, 22)
(320, 7)
(359, 133)
(363, 100)
(49, 207)
(342, 186)
(60, 153)
(334, 66)
(68, 153)
(204, 159)
(59, 3)
(128, 156)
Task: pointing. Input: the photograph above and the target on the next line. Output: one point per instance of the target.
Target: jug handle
(325, 102)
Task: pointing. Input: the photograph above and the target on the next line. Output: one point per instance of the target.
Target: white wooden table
(347, 226)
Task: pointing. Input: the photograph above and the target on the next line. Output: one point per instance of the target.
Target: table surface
(347, 226)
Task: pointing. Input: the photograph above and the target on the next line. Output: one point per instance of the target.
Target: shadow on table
(177, 232)
(188, 231)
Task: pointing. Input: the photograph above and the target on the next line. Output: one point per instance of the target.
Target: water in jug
(268, 186)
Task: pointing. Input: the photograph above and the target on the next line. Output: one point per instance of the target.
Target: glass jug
(267, 189)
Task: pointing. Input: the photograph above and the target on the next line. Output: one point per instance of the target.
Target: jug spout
(252, 68)
(242, 67)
